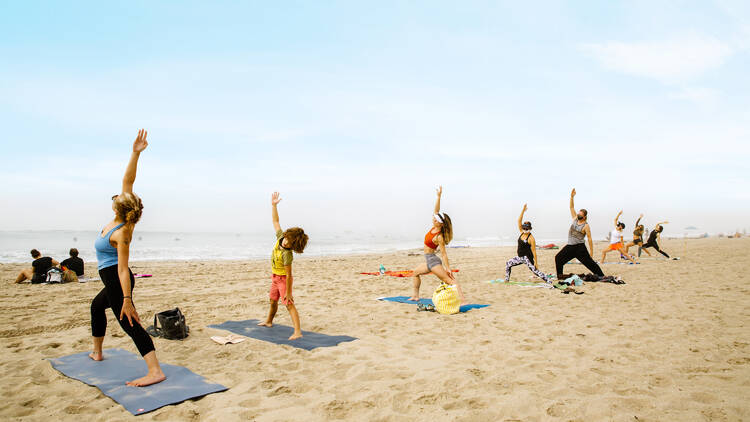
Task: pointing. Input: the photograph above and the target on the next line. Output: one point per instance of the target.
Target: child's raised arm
(275, 199)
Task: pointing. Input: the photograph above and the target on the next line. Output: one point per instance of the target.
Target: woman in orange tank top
(438, 237)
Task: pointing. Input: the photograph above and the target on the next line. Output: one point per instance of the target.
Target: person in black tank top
(526, 250)
(654, 237)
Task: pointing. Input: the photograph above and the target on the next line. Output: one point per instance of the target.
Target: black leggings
(654, 245)
(111, 297)
(576, 251)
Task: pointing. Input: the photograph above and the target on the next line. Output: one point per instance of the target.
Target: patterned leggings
(518, 260)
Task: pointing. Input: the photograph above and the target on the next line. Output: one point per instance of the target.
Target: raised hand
(439, 190)
(275, 198)
(524, 208)
(573, 192)
(640, 216)
(140, 142)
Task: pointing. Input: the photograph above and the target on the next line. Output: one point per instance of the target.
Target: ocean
(167, 246)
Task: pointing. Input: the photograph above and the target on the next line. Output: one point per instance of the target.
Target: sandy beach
(671, 344)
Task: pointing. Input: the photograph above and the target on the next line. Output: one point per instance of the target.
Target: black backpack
(169, 325)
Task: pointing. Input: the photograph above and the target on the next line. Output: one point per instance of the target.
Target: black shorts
(638, 241)
(38, 278)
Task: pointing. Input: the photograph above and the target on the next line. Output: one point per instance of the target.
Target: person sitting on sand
(654, 237)
(575, 247)
(438, 237)
(39, 267)
(637, 237)
(74, 263)
(526, 250)
(616, 241)
(282, 280)
(112, 253)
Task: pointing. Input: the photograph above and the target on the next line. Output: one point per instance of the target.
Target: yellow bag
(446, 299)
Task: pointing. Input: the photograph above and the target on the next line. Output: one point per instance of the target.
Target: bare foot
(265, 324)
(295, 336)
(97, 356)
(148, 379)
(414, 298)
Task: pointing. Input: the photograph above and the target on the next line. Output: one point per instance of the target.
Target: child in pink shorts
(293, 239)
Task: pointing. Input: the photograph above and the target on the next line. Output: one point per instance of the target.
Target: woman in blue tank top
(112, 253)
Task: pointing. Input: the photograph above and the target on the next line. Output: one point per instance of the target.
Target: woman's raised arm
(139, 145)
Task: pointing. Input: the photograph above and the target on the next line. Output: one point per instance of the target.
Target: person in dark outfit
(575, 247)
(74, 263)
(526, 250)
(39, 267)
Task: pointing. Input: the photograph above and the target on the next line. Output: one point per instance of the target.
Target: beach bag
(69, 276)
(446, 299)
(169, 325)
(54, 275)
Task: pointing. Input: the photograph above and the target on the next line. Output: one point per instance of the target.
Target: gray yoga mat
(119, 366)
(279, 334)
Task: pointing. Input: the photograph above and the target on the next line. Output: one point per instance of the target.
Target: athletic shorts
(278, 288)
(615, 247)
(432, 260)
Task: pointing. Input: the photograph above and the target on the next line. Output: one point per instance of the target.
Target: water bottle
(382, 269)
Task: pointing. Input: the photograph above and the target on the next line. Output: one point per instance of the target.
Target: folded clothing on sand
(279, 334)
(120, 366)
(595, 278)
(405, 299)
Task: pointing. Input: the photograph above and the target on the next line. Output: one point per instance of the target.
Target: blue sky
(356, 111)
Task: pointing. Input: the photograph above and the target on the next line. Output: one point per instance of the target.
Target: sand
(671, 344)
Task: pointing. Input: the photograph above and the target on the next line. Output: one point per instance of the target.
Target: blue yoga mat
(405, 299)
(279, 334)
(119, 366)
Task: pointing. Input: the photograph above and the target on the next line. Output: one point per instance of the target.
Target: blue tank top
(106, 254)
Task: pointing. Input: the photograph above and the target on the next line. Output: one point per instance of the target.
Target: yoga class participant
(575, 247)
(616, 241)
(293, 239)
(637, 237)
(112, 253)
(654, 237)
(440, 234)
(526, 250)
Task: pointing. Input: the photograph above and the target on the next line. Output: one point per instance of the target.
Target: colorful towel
(405, 299)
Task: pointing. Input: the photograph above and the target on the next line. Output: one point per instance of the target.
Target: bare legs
(154, 375)
(625, 253)
(419, 271)
(26, 274)
(440, 273)
(292, 312)
(271, 314)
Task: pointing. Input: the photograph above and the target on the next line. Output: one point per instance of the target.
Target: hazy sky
(355, 111)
